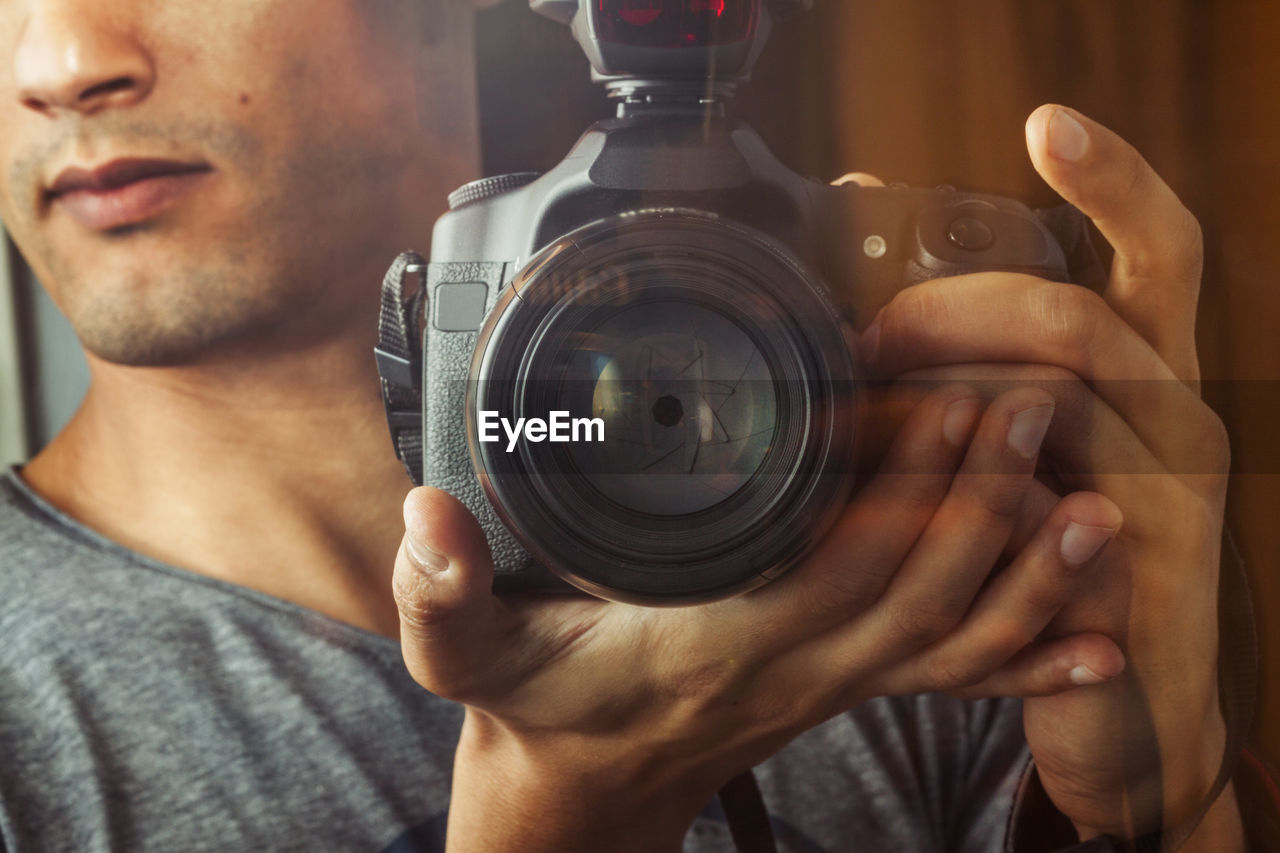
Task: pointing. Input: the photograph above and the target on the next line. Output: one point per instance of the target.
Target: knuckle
(1178, 250)
(922, 307)
(920, 622)
(1137, 173)
(1042, 596)
(844, 590)
(943, 673)
(918, 497)
(1008, 637)
(1000, 642)
(995, 500)
(1214, 445)
(839, 589)
(418, 610)
(947, 672)
(1068, 315)
(1189, 254)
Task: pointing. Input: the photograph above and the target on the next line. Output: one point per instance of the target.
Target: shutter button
(971, 234)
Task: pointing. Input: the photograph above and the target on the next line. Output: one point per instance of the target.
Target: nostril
(118, 84)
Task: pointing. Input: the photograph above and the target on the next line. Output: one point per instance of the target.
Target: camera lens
(717, 371)
(687, 400)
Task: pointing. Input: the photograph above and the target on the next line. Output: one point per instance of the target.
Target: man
(201, 633)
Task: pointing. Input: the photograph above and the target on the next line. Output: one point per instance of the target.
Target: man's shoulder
(74, 602)
(141, 699)
(23, 526)
(40, 560)
(51, 571)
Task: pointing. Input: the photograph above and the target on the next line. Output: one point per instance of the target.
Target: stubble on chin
(172, 317)
(140, 296)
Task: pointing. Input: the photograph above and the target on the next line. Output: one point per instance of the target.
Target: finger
(442, 584)
(852, 565)
(1020, 601)
(999, 317)
(934, 588)
(893, 402)
(1052, 667)
(1155, 280)
(1039, 502)
(957, 550)
(862, 179)
(1090, 447)
(1041, 498)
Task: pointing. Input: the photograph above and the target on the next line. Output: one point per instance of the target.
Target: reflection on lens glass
(688, 404)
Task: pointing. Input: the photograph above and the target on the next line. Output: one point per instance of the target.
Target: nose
(76, 57)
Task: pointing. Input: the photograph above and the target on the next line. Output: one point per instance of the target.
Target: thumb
(442, 586)
(1155, 279)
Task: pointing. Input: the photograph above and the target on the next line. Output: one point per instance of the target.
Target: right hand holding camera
(590, 720)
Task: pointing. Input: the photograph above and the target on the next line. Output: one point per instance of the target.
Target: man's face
(187, 176)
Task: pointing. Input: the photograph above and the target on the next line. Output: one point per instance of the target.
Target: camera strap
(399, 357)
(745, 812)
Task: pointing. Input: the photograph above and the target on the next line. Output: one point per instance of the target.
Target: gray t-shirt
(148, 708)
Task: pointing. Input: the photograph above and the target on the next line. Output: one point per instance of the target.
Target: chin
(171, 326)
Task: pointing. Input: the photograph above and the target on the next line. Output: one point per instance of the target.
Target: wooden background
(931, 92)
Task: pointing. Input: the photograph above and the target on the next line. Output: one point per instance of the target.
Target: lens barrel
(706, 400)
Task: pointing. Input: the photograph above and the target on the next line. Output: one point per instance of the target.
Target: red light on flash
(675, 23)
(640, 13)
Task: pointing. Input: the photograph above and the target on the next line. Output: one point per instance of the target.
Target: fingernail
(957, 421)
(1027, 430)
(1081, 541)
(1068, 140)
(424, 556)
(869, 343)
(1083, 676)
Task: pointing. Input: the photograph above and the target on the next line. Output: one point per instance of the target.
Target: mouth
(124, 192)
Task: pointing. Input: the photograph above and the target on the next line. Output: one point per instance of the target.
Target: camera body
(634, 368)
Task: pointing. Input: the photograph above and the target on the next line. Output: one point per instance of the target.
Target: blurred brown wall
(933, 92)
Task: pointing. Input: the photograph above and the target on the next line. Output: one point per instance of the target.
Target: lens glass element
(687, 401)
(675, 23)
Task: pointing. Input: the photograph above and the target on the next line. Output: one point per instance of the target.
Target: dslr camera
(633, 369)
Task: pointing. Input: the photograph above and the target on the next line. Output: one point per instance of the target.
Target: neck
(275, 474)
(273, 470)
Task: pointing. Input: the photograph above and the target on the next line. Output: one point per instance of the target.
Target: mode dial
(490, 187)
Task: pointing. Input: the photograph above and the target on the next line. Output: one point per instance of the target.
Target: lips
(124, 192)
